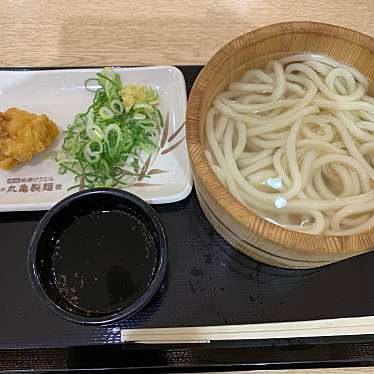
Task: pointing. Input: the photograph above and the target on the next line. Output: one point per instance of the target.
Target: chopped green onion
(62, 170)
(94, 132)
(116, 106)
(138, 116)
(143, 106)
(106, 146)
(105, 113)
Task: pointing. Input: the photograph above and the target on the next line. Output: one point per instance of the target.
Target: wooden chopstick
(198, 334)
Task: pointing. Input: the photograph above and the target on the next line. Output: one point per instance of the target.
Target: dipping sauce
(103, 261)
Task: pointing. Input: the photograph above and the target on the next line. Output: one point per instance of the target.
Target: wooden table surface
(143, 32)
(138, 32)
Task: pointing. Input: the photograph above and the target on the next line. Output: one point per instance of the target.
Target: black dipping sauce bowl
(98, 256)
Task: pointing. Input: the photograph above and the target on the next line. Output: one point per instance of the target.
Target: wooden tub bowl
(236, 223)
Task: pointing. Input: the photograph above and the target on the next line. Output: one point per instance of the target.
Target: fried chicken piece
(22, 135)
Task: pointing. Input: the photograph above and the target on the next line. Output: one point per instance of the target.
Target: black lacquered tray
(207, 283)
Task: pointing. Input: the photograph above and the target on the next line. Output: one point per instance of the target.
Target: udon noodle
(295, 143)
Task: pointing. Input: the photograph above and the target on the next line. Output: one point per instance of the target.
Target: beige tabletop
(138, 32)
(143, 32)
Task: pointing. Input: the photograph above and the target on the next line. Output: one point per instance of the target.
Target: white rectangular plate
(61, 94)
